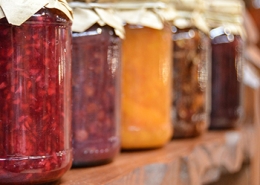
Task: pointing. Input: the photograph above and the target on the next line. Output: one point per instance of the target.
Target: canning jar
(146, 79)
(226, 81)
(190, 70)
(35, 90)
(224, 18)
(190, 76)
(96, 57)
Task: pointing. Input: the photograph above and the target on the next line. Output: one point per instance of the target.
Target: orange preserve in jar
(146, 82)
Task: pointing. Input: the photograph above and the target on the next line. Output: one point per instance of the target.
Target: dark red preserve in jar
(35, 98)
(226, 109)
(95, 95)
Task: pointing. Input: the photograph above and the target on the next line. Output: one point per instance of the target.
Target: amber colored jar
(226, 96)
(190, 81)
(96, 78)
(146, 87)
(35, 90)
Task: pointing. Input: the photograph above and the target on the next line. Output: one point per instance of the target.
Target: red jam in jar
(35, 90)
(95, 95)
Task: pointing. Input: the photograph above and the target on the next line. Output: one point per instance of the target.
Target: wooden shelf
(192, 161)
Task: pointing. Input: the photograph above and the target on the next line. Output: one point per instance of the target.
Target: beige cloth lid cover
(227, 14)
(190, 13)
(18, 11)
(88, 14)
(150, 13)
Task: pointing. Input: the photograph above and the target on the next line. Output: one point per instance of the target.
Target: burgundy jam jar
(226, 109)
(35, 98)
(96, 56)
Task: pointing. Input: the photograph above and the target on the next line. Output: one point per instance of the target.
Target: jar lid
(190, 13)
(18, 11)
(143, 13)
(88, 14)
(226, 14)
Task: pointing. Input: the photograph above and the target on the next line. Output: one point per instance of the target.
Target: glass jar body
(96, 95)
(35, 90)
(190, 82)
(226, 80)
(146, 87)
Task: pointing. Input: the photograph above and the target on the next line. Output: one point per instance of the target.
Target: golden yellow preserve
(146, 87)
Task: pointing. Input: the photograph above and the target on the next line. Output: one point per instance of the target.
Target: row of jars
(167, 70)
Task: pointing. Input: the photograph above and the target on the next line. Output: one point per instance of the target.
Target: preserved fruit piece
(35, 88)
(95, 89)
(226, 100)
(146, 87)
(190, 77)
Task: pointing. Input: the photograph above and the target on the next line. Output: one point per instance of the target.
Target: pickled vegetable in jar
(35, 90)
(190, 65)
(96, 57)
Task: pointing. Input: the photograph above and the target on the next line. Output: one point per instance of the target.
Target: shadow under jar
(95, 95)
(226, 109)
(35, 90)
(190, 82)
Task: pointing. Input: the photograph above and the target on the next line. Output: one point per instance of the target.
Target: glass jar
(190, 81)
(95, 95)
(146, 87)
(35, 90)
(226, 96)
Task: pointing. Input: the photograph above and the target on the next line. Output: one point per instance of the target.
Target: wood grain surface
(193, 161)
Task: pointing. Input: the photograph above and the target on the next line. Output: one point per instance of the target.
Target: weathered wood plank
(192, 161)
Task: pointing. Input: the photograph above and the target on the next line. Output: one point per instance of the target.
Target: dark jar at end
(226, 96)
